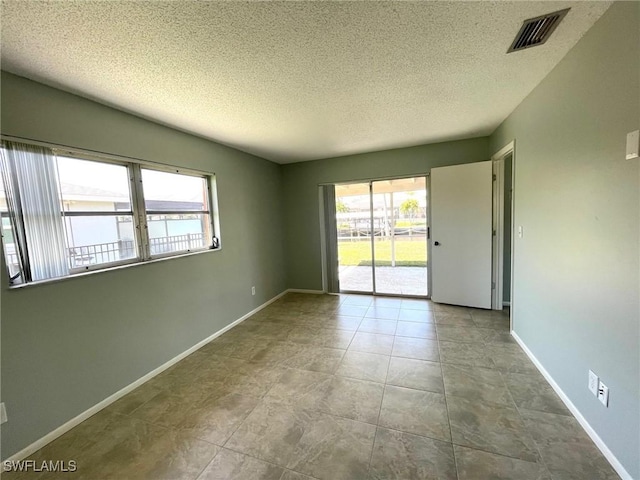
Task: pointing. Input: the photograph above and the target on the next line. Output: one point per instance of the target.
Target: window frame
(146, 239)
(138, 211)
(58, 152)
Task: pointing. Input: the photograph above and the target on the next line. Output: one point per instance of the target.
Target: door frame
(323, 238)
(498, 222)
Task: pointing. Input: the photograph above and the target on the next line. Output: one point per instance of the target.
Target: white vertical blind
(330, 228)
(36, 199)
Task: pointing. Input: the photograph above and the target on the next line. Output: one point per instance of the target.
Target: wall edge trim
(65, 427)
(608, 454)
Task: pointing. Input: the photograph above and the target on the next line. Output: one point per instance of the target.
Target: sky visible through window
(114, 179)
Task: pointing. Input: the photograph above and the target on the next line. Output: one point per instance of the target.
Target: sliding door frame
(324, 241)
(372, 237)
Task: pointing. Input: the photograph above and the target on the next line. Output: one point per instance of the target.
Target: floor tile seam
(416, 358)
(413, 388)
(467, 342)
(298, 369)
(357, 378)
(380, 409)
(502, 455)
(448, 442)
(299, 473)
(344, 352)
(382, 319)
(412, 358)
(496, 328)
(567, 411)
(493, 452)
(422, 435)
(409, 309)
(260, 459)
(322, 411)
(446, 405)
(480, 401)
(131, 413)
(75, 451)
(423, 338)
(174, 429)
(526, 428)
(197, 477)
(449, 362)
(240, 424)
(484, 327)
(375, 436)
(464, 327)
(430, 322)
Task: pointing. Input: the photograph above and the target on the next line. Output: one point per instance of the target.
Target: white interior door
(461, 238)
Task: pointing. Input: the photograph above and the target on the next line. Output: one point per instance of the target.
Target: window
(64, 213)
(177, 207)
(97, 212)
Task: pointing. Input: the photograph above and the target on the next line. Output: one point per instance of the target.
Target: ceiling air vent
(536, 31)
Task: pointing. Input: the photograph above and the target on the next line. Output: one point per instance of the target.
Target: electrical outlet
(603, 394)
(593, 383)
(3, 413)
(253, 290)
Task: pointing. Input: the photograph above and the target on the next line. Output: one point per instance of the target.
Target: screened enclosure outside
(382, 236)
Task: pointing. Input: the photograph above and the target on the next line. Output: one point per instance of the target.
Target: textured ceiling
(292, 81)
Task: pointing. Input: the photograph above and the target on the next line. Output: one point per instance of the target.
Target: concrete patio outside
(389, 280)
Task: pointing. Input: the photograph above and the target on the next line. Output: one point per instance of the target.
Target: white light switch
(520, 231)
(633, 144)
(593, 383)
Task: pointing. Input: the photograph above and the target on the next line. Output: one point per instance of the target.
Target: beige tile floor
(341, 387)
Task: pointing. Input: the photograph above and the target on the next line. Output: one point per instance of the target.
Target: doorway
(381, 233)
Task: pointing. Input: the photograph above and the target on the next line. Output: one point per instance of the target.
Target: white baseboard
(64, 428)
(506, 304)
(617, 466)
(302, 290)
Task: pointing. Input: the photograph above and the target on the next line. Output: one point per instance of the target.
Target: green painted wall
(576, 296)
(68, 345)
(301, 205)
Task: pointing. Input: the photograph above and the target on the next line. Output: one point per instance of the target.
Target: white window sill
(111, 269)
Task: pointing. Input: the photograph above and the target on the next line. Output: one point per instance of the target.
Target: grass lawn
(409, 253)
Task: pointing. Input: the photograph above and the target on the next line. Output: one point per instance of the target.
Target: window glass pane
(175, 233)
(10, 253)
(165, 191)
(8, 240)
(98, 239)
(88, 186)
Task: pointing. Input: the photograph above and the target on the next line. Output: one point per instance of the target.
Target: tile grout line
(515, 407)
(385, 384)
(244, 420)
(542, 460)
(384, 389)
(446, 405)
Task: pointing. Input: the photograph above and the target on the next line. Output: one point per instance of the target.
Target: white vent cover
(536, 31)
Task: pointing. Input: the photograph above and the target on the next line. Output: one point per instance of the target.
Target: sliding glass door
(353, 224)
(400, 250)
(382, 236)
